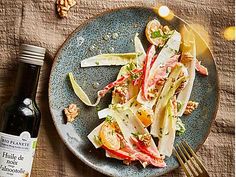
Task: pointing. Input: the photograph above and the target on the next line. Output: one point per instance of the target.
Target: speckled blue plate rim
(54, 64)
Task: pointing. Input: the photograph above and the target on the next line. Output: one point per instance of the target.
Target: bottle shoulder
(23, 107)
(19, 116)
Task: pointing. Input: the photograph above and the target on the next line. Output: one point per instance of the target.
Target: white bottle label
(16, 154)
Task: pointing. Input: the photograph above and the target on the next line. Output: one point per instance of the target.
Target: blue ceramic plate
(88, 40)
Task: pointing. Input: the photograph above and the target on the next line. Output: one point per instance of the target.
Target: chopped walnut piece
(181, 74)
(121, 91)
(63, 7)
(26, 174)
(71, 112)
(152, 93)
(117, 128)
(166, 29)
(181, 87)
(127, 162)
(191, 106)
(145, 139)
(145, 164)
(187, 57)
(160, 82)
(150, 96)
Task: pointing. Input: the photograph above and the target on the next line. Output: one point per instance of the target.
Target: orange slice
(145, 116)
(108, 136)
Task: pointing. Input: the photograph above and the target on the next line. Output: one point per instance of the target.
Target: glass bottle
(20, 116)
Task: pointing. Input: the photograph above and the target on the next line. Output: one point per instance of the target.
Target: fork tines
(189, 161)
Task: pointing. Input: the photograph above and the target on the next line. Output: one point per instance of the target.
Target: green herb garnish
(136, 134)
(180, 128)
(139, 113)
(165, 36)
(108, 119)
(130, 67)
(122, 145)
(139, 54)
(156, 34)
(131, 104)
(179, 106)
(134, 76)
(161, 132)
(98, 108)
(97, 139)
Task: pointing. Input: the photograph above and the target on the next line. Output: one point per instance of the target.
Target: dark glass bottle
(20, 117)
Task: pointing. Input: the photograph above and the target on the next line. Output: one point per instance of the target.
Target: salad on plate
(151, 93)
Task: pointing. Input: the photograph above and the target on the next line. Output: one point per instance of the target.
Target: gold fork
(189, 161)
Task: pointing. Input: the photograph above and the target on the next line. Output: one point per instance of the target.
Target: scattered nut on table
(63, 7)
(71, 112)
(191, 106)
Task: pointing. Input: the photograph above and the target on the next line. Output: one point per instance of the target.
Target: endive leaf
(172, 83)
(109, 59)
(139, 49)
(170, 49)
(94, 136)
(188, 47)
(130, 124)
(80, 93)
(166, 140)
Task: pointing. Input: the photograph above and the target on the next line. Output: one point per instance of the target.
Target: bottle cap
(32, 54)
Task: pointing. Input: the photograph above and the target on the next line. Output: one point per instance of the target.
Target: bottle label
(16, 154)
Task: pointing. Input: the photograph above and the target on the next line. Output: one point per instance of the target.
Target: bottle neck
(27, 81)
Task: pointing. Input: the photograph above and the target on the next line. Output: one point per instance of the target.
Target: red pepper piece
(104, 91)
(145, 158)
(161, 71)
(201, 69)
(120, 154)
(153, 60)
(146, 69)
(145, 149)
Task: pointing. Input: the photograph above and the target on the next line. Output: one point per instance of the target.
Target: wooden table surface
(35, 22)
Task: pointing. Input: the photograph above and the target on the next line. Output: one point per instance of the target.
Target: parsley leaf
(130, 67)
(156, 34)
(108, 119)
(97, 139)
(136, 134)
(98, 108)
(179, 105)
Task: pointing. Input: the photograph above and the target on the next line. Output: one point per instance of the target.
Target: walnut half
(191, 106)
(71, 112)
(63, 7)
(145, 139)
